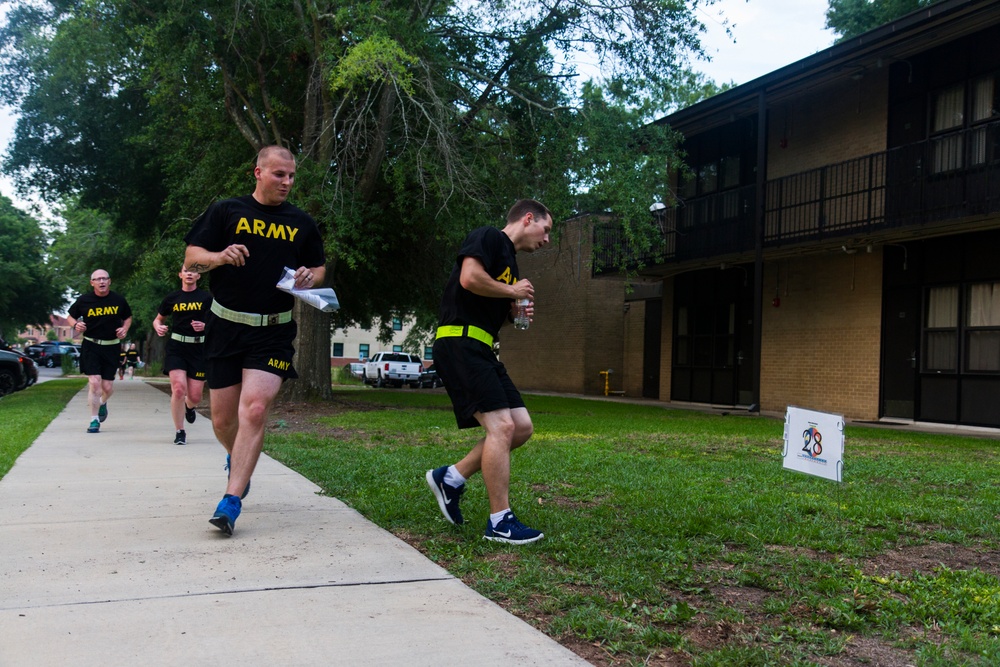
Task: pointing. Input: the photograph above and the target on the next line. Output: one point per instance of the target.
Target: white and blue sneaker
(448, 497)
(511, 531)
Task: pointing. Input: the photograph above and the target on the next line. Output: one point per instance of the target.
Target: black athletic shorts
(187, 357)
(475, 379)
(100, 360)
(231, 347)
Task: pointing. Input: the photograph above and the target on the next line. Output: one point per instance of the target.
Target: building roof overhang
(914, 33)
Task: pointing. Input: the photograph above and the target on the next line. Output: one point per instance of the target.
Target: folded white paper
(324, 298)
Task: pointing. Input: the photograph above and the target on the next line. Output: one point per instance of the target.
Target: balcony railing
(948, 177)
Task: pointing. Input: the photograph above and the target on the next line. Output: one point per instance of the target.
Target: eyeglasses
(101, 280)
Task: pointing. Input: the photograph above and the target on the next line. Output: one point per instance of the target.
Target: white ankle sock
(496, 517)
(453, 478)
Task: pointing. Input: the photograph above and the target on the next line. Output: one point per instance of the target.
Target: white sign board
(814, 443)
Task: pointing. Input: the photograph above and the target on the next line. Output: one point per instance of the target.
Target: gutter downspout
(758, 278)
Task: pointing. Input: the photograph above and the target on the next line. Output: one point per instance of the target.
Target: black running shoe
(189, 414)
(447, 496)
(511, 531)
(180, 438)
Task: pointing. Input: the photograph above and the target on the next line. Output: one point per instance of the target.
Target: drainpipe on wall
(758, 278)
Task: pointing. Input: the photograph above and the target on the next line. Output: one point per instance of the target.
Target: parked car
(392, 368)
(428, 379)
(50, 354)
(11, 372)
(357, 369)
(30, 371)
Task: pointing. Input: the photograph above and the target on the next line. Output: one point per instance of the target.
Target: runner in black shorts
(478, 299)
(246, 243)
(104, 318)
(132, 360)
(184, 362)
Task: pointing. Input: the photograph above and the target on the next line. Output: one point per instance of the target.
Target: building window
(984, 144)
(971, 106)
(428, 353)
(397, 325)
(982, 334)
(948, 116)
(338, 349)
(683, 338)
(363, 351)
(941, 330)
(708, 178)
(397, 348)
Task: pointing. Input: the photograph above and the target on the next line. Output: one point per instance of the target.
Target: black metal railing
(947, 177)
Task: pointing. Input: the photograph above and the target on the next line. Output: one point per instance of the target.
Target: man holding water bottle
(482, 294)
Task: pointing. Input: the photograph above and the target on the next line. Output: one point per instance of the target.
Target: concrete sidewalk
(107, 558)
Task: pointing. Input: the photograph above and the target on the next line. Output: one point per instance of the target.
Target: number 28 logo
(812, 441)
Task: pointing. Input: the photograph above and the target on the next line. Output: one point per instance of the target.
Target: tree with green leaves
(31, 290)
(850, 18)
(413, 121)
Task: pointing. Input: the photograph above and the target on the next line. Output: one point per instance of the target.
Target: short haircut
(523, 207)
(273, 151)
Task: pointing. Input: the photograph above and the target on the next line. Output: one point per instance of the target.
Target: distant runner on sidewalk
(104, 318)
(184, 361)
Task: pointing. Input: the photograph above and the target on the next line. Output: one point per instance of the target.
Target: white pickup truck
(392, 368)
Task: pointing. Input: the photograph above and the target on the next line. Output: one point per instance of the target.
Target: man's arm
(200, 260)
(475, 279)
(122, 331)
(160, 325)
(308, 277)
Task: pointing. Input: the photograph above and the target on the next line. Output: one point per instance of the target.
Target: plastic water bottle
(521, 319)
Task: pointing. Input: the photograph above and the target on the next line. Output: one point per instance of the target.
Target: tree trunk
(312, 356)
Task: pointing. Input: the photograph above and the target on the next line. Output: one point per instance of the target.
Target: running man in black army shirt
(104, 318)
(184, 362)
(246, 243)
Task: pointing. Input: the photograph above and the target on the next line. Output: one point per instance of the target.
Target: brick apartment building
(33, 334)
(834, 250)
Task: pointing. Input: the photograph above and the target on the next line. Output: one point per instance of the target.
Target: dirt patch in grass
(928, 557)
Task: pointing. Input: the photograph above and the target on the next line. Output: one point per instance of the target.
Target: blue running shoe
(226, 514)
(189, 414)
(246, 489)
(447, 496)
(102, 412)
(95, 426)
(511, 531)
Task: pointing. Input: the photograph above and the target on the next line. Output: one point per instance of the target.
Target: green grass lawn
(672, 537)
(25, 414)
(676, 535)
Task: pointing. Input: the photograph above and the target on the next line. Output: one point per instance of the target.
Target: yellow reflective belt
(458, 331)
(187, 339)
(251, 319)
(102, 342)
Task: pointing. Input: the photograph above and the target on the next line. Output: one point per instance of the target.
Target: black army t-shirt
(460, 306)
(185, 307)
(103, 315)
(275, 236)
